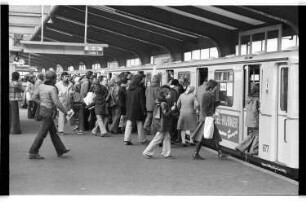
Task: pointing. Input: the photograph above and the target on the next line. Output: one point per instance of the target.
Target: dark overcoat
(135, 103)
(208, 108)
(100, 100)
(162, 122)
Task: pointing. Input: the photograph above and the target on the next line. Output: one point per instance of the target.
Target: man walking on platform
(47, 97)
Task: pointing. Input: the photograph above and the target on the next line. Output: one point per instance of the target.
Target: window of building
(201, 54)
(272, 45)
(289, 41)
(225, 79)
(196, 54)
(82, 66)
(284, 88)
(132, 62)
(112, 64)
(204, 53)
(96, 66)
(71, 68)
(187, 56)
(213, 53)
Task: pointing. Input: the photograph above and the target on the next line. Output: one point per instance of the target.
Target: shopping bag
(70, 114)
(209, 127)
(89, 99)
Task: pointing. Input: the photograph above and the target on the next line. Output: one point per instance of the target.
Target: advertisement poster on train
(228, 126)
(222, 86)
(229, 91)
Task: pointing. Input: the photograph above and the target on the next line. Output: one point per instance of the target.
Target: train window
(253, 77)
(284, 89)
(184, 79)
(225, 93)
(170, 75)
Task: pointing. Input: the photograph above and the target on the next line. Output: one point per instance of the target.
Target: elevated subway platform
(105, 166)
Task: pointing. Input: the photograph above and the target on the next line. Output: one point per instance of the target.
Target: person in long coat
(64, 87)
(209, 104)
(15, 90)
(100, 108)
(135, 110)
(161, 124)
(151, 92)
(187, 104)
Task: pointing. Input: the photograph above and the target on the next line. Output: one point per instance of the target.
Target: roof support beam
(196, 17)
(293, 27)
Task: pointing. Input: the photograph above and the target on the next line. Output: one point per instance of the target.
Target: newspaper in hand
(69, 114)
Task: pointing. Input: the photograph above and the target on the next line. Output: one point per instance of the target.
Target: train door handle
(285, 127)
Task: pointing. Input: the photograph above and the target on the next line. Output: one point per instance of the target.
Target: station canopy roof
(142, 31)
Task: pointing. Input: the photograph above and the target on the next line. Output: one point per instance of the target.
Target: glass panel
(204, 53)
(214, 53)
(187, 56)
(226, 87)
(196, 54)
(284, 89)
(272, 41)
(253, 77)
(258, 42)
(272, 45)
(184, 79)
(245, 45)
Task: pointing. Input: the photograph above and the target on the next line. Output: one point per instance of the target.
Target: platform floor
(105, 166)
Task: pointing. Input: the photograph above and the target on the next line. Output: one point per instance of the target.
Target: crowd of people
(121, 105)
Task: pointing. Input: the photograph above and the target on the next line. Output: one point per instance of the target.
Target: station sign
(93, 50)
(228, 126)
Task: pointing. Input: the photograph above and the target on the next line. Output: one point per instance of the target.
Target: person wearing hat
(47, 97)
(64, 87)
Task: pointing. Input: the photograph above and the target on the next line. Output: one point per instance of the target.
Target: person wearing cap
(64, 87)
(47, 97)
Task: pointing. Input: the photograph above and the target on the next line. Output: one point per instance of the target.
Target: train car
(277, 75)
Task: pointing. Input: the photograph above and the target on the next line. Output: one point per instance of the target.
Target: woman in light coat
(187, 105)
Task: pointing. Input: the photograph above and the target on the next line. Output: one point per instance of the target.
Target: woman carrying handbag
(209, 105)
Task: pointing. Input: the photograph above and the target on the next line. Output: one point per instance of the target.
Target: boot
(221, 154)
(197, 156)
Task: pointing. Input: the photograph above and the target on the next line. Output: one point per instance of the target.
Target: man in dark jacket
(135, 110)
(85, 87)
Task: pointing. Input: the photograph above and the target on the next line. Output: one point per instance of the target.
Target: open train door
(202, 74)
(251, 78)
